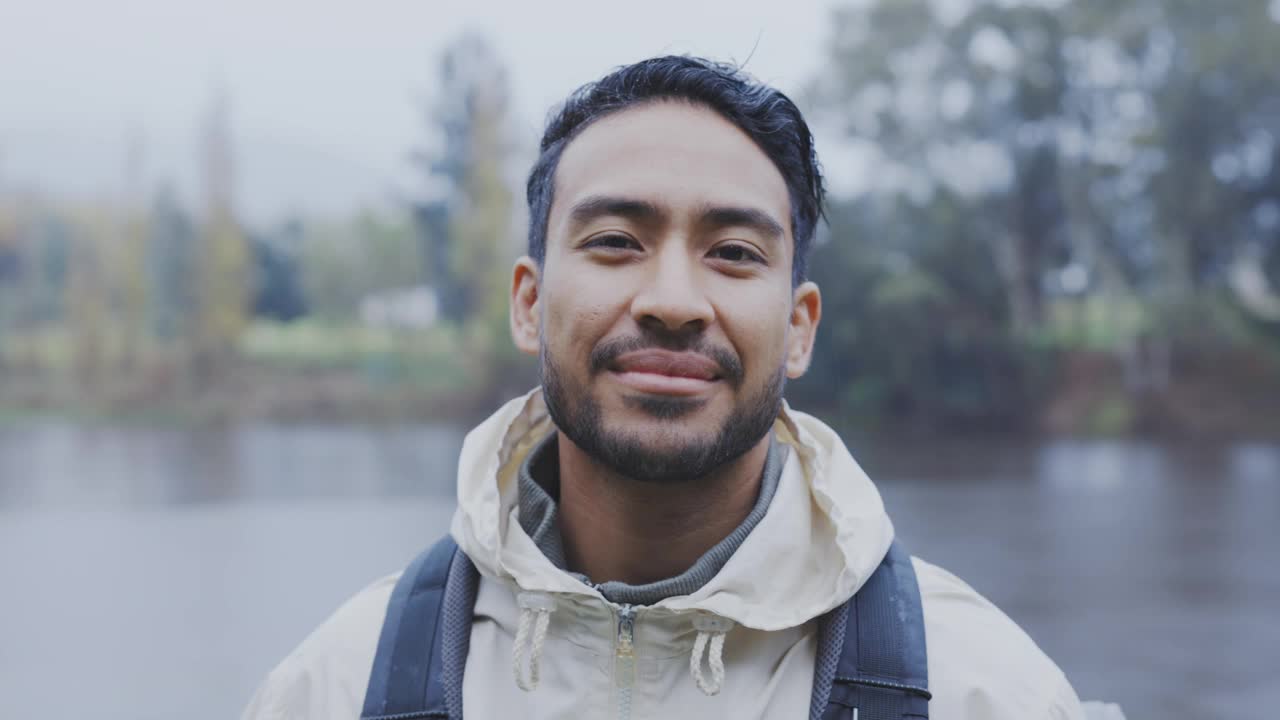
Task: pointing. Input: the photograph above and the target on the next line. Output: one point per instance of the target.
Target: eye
(737, 254)
(612, 241)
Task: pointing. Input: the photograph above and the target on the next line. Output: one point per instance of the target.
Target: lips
(661, 372)
(670, 364)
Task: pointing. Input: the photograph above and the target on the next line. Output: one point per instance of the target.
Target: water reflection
(170, 568)
(58, 465)
(1100, 467)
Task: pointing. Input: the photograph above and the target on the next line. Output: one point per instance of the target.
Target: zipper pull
(624, 663)
(626, 629)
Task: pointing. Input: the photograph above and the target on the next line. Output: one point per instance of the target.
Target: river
(154, 573)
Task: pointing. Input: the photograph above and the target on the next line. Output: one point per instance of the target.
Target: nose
(672, 298)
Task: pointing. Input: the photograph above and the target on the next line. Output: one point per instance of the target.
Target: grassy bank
(301, 372)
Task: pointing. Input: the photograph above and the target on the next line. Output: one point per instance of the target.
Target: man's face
(664, 314)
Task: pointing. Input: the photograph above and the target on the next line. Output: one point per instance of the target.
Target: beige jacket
(823, 535)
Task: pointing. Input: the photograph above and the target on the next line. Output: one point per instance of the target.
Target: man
(655, 533)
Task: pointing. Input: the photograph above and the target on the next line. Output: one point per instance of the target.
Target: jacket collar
(823, 535)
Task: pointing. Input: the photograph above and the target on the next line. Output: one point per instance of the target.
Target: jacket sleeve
(982, 666)
(1065, 704)
(326, 676)
(285, 694)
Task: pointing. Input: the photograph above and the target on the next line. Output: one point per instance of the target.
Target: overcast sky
(326, 97)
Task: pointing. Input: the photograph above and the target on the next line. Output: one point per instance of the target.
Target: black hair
(766, 115)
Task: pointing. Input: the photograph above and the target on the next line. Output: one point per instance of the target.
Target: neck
(618, 528)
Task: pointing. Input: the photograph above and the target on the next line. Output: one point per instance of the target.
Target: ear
(806, 311)
(525, 311)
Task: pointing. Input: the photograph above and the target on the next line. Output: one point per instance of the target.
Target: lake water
(154, 573)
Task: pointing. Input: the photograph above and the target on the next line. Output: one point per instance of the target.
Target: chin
(664, 434)
(665, 407)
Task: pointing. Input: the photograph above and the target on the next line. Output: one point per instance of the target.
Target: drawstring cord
(711, 631)
(535, 615)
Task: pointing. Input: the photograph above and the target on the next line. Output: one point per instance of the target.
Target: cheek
(574, 320)
(757, 326)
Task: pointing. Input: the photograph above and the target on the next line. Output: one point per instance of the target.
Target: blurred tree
(965, 112)
(974, 105)
(1028, 151)
(128, 260)
(171, 265)
(391, 256)
(52, 253)
(88, 301)
(10, 256)
(10, 273)
(342, 262)
(1202, 81)
(35, 274)
(327, 257)
(466, 218)
(914, 330)
(277, 288)
(223, 262)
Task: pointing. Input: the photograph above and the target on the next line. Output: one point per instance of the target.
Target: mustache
(607, 352)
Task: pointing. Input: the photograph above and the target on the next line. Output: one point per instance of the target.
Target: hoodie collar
(823, 535)
(539, 486)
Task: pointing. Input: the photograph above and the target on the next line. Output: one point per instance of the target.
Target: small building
(412, 308)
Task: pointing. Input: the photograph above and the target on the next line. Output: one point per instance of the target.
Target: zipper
(624, 662)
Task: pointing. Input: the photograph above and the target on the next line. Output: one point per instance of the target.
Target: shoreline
(1194, 411)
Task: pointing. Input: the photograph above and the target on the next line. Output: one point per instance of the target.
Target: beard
(685, 456)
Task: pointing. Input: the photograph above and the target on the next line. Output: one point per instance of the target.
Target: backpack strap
(881, 672)
(406, 679)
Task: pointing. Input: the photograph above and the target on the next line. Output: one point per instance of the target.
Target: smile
(662, 372)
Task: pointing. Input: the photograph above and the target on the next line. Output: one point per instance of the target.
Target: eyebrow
(643, 211)
(598, 206)
(718, 216)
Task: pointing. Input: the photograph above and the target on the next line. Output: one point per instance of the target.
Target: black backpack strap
(406, 680)
(881, 672)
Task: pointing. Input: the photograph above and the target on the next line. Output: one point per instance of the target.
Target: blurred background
(253, 271)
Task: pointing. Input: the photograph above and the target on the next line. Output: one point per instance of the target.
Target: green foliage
(344, 261)
(1052, 186)
(1050, 178)
(172, 257)
(1114, 415)
(466, 220)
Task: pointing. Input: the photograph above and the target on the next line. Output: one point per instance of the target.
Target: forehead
(673, 154)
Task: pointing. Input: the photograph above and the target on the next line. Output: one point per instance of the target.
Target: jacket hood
(823, 536)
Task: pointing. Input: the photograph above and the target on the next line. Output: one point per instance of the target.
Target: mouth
(662, 372)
